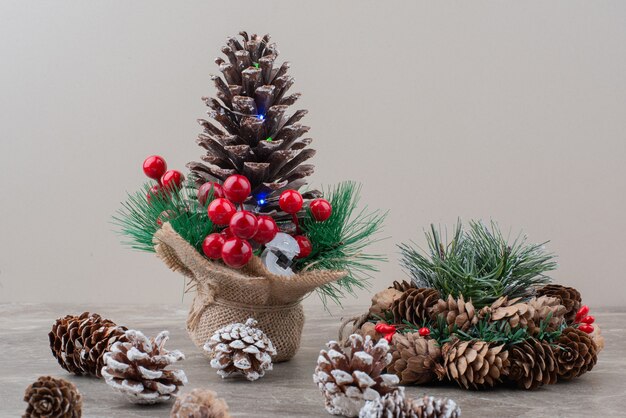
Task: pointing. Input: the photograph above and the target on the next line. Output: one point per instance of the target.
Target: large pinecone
(576, 353)
(349, 379)
(136, 367)
(528, 314)
(473, 364)
(79, 342)
(199, 403)
(569, 297)
(414, 304)
(251, 132)
(456, 313)
(414, 358)
(241, 348)
(396, 405)
(50, 397)
(533, 364)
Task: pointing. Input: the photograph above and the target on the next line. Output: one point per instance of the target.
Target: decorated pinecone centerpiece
(480, 312)
(241, 228)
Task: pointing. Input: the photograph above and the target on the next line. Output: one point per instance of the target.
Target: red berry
(588, 328)
(205, 189)
(237, 188)
(384, 328)
(236, 252)
(154, 167)
(424, 332)
(212, 246)
(221, 210)
(589, 319)
(321, 209)
(172, 178)
(389, 337)
(243, 224)
(266, 231)
(305, 246)
(155, 191)
(290, 201)
(227, 233)
(582, 312)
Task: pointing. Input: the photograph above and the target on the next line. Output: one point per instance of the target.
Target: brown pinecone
(473, 364)
(526, 314)
(50, 397)
(533, 364)
(414, 358)
(382, 301)
(402, 286)
(397, 405)
(250, 131)
(347, 379)
(414, 304)
(456, 312)
(576, 353)
(136, 368)
(241, 348)
(200, 403)
(569, 297)
(79, 342)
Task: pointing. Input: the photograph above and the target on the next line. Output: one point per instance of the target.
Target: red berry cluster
(584, 320)
(231, 245)
(155, 168)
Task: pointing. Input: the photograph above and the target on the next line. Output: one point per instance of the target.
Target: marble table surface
(288, 390)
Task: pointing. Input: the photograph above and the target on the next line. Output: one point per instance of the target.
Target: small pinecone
(533, 364)
(136, 367)
(200, 403)
(527, 315)
(473, 364)
(402, 286)
(241, 348)
(79, 342)
(414, 304)
(349, 379)
(456, 312)
(577, 353)
(50, 397)
(569, 297)
(382, 301)
(396, 405)
(414, 358)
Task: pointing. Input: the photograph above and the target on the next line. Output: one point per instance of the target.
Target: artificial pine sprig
(339, 242)
(478, 263)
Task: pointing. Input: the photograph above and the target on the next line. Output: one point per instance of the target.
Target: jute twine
(225, 295)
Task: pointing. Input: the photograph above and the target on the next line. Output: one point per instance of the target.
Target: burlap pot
(225, 295)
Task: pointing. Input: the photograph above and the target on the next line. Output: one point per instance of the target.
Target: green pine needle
(479, 264)
(339, 243)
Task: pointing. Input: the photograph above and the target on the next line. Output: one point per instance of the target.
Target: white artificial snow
(342, 377)
(363, 379)
(134, 354)
(366, 358)
(149, 374)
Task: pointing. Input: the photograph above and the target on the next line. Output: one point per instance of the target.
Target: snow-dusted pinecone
(348, 379)
(241, 348)
(136, 368)
(199, 403)
(396, 405)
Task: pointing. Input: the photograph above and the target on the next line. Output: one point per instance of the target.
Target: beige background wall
(513, 111)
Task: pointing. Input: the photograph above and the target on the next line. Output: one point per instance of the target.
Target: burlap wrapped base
(225, 295)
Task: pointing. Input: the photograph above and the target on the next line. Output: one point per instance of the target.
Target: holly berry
(236, 252)
(384, 328)
(205, 189)
(321, 209)
(588, 328)
(389, 337)
(237, 188)
(155, 191)
(582, 312)
(212, 246)
(290, 201)
(227, 233)
(154, 167)
(424, 332)
(221, 210)
(266, 231)
(305, 246)
(589, 319)
(171, 179)
(243, 224)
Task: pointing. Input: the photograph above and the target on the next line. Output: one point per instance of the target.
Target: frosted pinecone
(396, 405)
